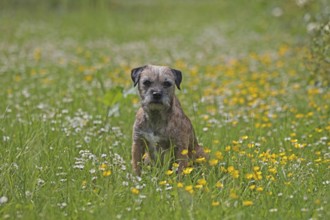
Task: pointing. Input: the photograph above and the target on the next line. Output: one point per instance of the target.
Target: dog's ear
(135, 74)
(178, 77)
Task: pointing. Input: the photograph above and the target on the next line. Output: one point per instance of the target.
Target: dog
(160, 124)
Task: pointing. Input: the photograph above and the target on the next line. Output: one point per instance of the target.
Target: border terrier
(160, 124)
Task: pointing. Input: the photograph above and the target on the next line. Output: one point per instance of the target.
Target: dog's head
(156, 85)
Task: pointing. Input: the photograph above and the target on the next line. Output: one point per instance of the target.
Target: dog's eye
(147, 83)
(167, 84)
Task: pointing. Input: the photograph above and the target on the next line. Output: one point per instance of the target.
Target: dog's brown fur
(160, 122)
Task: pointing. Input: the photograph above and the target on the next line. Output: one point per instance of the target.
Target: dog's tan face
(156, 85)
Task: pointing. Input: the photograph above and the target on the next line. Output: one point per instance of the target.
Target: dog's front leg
(137, 153)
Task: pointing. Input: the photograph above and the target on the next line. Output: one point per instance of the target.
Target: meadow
(67, 106)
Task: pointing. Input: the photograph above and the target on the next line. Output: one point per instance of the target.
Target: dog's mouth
(157, 102)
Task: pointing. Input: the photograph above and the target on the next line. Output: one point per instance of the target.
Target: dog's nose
(157, 95)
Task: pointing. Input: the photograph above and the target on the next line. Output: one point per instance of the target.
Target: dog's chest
(152, 138)
(155, 140)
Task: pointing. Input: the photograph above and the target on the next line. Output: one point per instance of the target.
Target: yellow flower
(175, 165)
(218, 155)
(84, 184)
(270, 177)
(260, 189)
(231, 169)
(179, 185)
(200, 160)
(233, 194)
(252, 187)
(257, 175)
(219, 185)
(223, 169)
(169, 172)
(135, 191)
(227, 148)
(162, 183)
(272, 170)
(106, 173)
(294, 141)
(189, 189)
(184, 152)
(202, 182)
(244, 137)
(207, 150)
(215, 203)
(88, 78)
(103, 166)
(187, 170)
(249, 176)
(247, 203)
(235, 174)
(213, 162)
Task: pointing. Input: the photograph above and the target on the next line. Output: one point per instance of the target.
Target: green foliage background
(255, 85)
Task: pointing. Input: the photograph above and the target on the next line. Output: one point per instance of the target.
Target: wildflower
(252, 187)
(106, 173)
(270, 177)
(202, 182)
(223, 169)
(135, 191)
(233, 194)
(184, 152)
(213, 162)
(200, 160)
(88, 78)
(179, 185)
(235, 174)
(175, 165)
(189, 189)
(3, 200)
(187, 170)
(169, 172)
(162, 183)
(249, 176)
(207, 150)
(218, 155)
(259, 189)
(245, 137)
(257, 175)
(272, 170)
(227, 148)
(103, 166)
(219, 185)
(230, 169)
(215, 203)
(247, 203)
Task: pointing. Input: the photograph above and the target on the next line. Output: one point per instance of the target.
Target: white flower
(3, 200)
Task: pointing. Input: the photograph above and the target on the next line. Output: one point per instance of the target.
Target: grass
(67, 109)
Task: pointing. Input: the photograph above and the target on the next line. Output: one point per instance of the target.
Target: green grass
(68, 105)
